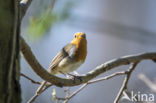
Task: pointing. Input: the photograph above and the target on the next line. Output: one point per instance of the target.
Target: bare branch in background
(95, 81)
(33, 81)
(68, 97)
(148, 82)
(125, 82)
(127, 73)
(37, 94)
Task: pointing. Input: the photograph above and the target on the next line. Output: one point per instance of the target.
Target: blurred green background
(114, 28)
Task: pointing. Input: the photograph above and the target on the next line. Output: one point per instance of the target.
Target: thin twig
(90, 82)
(108, 77)
(94, 81)
(67, 98)
(77, 91)
(125, 82)
(33, 81)
(37, 94)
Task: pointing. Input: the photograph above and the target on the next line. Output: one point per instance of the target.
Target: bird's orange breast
(81, 48)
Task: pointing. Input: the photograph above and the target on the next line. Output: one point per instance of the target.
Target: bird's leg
(75, 76)
(72, 76)
(68, 75)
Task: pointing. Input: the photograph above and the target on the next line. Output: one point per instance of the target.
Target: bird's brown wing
(68, 50)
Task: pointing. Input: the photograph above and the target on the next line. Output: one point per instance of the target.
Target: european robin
(69, 58)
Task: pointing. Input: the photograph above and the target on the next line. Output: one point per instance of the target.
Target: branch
(33, 81)
(125, 82)
(97, 80)
(37, 94)
(90, 82)
(45, 75)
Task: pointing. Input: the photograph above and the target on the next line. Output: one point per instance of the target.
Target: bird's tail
(40, 88)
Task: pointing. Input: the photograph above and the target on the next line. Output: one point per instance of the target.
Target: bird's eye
(83, 36)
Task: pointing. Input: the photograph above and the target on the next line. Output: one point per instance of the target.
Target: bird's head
(80, 42)
(79, 39)
(80, 35)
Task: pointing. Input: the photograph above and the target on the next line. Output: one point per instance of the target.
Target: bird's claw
(74, 78)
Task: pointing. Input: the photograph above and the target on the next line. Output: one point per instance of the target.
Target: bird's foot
(74, 77)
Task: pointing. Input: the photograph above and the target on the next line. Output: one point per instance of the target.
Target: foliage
(41, 24)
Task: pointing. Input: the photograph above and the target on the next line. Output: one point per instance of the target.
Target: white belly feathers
(66, 66)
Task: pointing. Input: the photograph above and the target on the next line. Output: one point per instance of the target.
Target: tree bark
(9, 52)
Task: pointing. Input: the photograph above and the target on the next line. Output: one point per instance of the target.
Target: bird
(69, 58)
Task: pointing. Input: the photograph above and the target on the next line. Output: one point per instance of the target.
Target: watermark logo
(138, 97)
